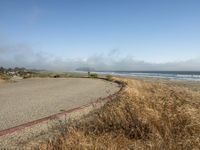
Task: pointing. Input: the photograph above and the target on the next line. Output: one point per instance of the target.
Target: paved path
(32, 99)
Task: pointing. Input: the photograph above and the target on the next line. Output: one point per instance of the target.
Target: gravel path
(32, 99)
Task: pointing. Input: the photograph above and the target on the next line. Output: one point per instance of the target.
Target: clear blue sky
(148, 30)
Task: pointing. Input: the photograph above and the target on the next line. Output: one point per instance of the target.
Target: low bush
(93, 75)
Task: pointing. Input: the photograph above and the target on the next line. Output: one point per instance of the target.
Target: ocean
(172, 75)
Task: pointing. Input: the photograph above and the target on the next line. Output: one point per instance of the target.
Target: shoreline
(191, 76)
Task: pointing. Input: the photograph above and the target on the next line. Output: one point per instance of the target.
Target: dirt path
(32, 99)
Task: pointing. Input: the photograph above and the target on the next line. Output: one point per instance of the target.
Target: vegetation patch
(144, 115)
(93, 75)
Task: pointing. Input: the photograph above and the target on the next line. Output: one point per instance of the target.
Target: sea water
(174, 75)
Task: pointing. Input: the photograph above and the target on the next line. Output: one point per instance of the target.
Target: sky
(102, 34)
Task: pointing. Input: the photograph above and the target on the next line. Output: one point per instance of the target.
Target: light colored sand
(1, 81)
(32, 99)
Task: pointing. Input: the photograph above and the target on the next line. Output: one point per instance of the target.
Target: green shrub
(93, 75)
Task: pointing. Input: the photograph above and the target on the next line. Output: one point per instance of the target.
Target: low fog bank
(97, 62)
(23, 56)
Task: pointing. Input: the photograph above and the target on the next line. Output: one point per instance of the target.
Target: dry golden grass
(144, 115)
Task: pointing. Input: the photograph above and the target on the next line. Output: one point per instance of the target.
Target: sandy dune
(32, 99)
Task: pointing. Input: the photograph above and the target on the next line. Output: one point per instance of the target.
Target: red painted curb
(52, 117)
